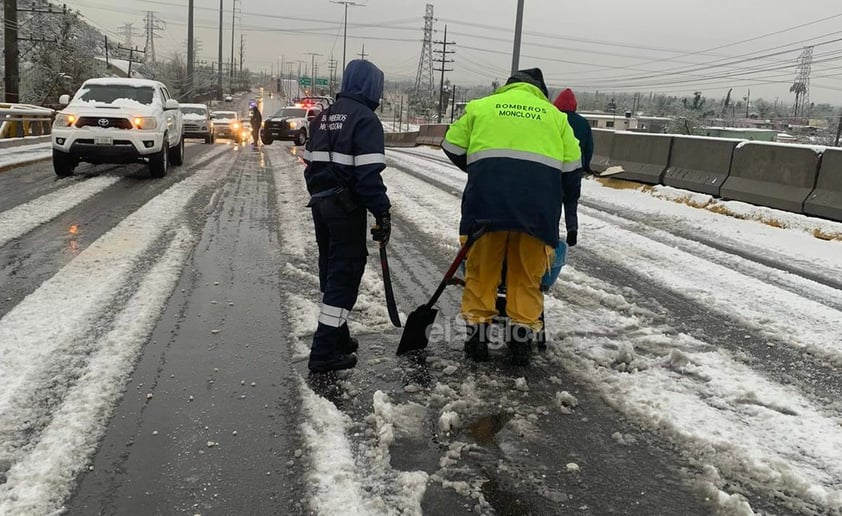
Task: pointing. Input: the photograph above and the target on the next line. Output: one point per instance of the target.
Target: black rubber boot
(347, 344)
(337, 362)
(476, 347)
(541, 336)
(520, 343)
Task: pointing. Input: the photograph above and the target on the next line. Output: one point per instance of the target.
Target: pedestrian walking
(345, 157)
(572, 181)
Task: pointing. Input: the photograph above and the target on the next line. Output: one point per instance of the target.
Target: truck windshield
(292, 112)
(109, 93)
(194, 111)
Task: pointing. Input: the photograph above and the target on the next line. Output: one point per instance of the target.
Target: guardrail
(19, 120)
(798, 178)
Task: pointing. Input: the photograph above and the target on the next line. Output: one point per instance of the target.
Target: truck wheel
(177, 153)
(266, 138)
(63, 163)
(301, 138)
(160, 163)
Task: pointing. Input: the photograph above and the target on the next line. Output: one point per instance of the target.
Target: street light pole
(346, 3)
(518, 32)
(219, 62)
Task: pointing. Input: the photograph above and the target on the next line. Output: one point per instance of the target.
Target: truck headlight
(235, 126)
(64, 120)
(293, 125)
(145, 123)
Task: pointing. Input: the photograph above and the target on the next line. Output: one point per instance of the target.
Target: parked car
(229, 98)
(289, 123)
(227, 124)
(197, 122)
(113, 120)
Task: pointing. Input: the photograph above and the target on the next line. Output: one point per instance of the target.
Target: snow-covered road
(153, 337)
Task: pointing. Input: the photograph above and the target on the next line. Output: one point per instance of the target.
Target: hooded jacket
(346, 147)
(515, 147)
(566, 103)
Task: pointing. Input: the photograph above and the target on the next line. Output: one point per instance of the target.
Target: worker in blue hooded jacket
(345, 156)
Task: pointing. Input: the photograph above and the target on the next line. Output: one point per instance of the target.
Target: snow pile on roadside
(335, 483)
(345, 482)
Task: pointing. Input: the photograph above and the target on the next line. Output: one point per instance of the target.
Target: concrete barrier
(432, 134)
(401, 139)
(775, 175)
(700, 164)
(602, 142)
(644, 157)
(826, 200)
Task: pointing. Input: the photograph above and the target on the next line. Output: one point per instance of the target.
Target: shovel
(416, 333)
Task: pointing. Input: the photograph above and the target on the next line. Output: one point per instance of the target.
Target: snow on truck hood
(120, 107)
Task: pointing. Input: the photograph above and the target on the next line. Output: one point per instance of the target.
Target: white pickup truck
(118, 121)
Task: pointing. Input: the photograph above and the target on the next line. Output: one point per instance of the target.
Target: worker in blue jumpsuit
(345, 157)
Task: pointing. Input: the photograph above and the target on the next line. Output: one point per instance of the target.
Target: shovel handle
(460, 257)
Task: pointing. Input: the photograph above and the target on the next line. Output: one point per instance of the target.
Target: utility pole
(443, 60)
(242, 52)
(346, 3)
(400, 116)
(231, 67)
(362, 54)
(748, 101)
(300, 62)
(838, 130)
(10, 37)
(106, 52)
(219, 62)
(313, 71)
(518, 33)
(331, 66)
(190, 52)
(452, 103)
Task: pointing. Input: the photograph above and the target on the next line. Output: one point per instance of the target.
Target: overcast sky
(673, 46)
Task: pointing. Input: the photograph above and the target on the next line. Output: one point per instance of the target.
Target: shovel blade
(416, 333)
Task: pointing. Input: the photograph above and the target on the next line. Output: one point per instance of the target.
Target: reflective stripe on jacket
(514, 145)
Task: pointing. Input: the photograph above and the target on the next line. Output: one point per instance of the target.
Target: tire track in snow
(40, 480)
(76, 301)
(25, 217)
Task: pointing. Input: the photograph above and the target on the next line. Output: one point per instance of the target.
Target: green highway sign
(305, 81)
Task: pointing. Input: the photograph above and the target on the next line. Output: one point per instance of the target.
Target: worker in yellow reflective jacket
(514, 145)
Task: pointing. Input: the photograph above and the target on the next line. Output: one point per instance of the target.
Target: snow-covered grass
(728, 418)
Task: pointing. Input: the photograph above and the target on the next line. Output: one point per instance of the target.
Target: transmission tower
(801, 86)
(153, 25)
(424, 93)
(128, 32)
